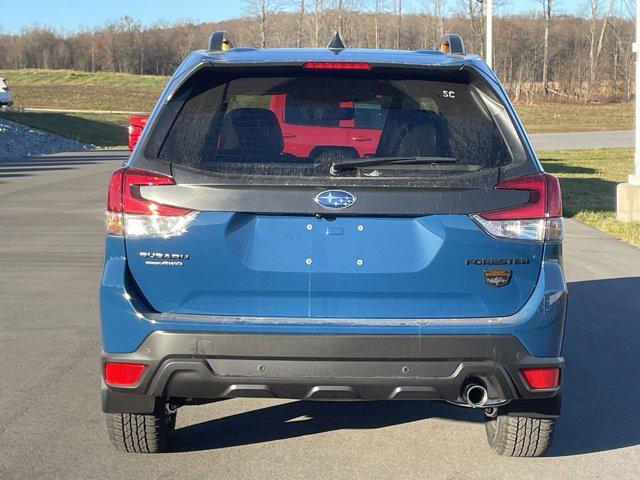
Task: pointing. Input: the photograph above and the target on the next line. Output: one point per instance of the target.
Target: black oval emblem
(335, 199)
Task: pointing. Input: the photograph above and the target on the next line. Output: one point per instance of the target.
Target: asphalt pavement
(577, 140)
(51, 238)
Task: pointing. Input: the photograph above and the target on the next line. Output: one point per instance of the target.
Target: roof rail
(219, 42)
(451, 43)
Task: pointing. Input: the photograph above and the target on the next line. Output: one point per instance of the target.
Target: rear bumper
(186, 367)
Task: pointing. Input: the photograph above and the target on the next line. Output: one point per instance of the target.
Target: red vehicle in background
(353, 127)
(345, 125)
(136, 125)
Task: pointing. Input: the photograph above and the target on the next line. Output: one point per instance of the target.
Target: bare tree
(546, 11)
(473, 11)
(300, 23)
(433, 21)
(260, 11)
(378, 9)
(596, 39)
(437, 11)
(398, 12)
(340, 11)
(317, 17)
(584, 45)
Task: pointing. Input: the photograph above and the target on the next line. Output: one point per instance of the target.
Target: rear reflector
(541, 378)
(122, 374)
(337, 66)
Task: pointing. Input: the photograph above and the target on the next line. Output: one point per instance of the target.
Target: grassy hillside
(66, 89)
(104, 130)
(117, 91)
(554, 117)
(83, 91)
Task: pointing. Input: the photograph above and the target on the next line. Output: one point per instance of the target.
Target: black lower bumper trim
(203, 366)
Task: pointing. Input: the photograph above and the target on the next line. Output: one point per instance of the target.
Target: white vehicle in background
(5, 94)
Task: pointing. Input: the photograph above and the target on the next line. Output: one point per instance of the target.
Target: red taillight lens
(337, 66)
(545, 200)
(554, 196)
(541, 378)
(124, 193)
(114, 198)
(122, 374)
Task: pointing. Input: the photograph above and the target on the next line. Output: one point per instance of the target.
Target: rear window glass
(319, 112)
(301, 125)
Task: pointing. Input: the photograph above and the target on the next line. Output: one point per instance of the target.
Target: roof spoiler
(220, 42)
(451, 43)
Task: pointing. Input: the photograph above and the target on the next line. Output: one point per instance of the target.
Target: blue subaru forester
(333, 224)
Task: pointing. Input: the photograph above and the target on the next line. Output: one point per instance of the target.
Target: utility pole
(628, 194)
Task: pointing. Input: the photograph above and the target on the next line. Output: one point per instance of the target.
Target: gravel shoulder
(18, 141)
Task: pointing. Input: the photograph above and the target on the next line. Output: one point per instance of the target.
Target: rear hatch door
(399, 242)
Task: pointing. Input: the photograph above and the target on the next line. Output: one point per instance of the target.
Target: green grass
(105, 130)
(84, 91)
(554, 117)
(588, 179)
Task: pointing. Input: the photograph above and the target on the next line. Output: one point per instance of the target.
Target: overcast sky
(69, 15)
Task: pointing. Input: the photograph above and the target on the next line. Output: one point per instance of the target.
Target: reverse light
(337, 66)
(123, 374)
(540, 218)
(541, 378)
(128, 213)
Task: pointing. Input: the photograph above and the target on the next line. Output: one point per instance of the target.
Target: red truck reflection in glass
(136, 125)
(354, 127)
(350, 125)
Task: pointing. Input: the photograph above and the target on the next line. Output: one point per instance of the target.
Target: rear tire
(136, 433)
(514, 436)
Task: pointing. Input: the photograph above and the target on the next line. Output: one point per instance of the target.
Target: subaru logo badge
(335, 199)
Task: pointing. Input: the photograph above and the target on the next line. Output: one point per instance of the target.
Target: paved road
(577, 140)
(50, 255)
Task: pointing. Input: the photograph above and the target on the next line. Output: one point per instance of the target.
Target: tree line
(540, 54)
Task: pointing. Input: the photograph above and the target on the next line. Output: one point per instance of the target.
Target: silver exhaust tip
(475, 395)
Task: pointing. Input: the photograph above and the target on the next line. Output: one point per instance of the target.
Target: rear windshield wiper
(373, 161)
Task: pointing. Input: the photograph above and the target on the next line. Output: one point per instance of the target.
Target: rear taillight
(541, 378)
(540, 218)
(122, 374)
(128, 213)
